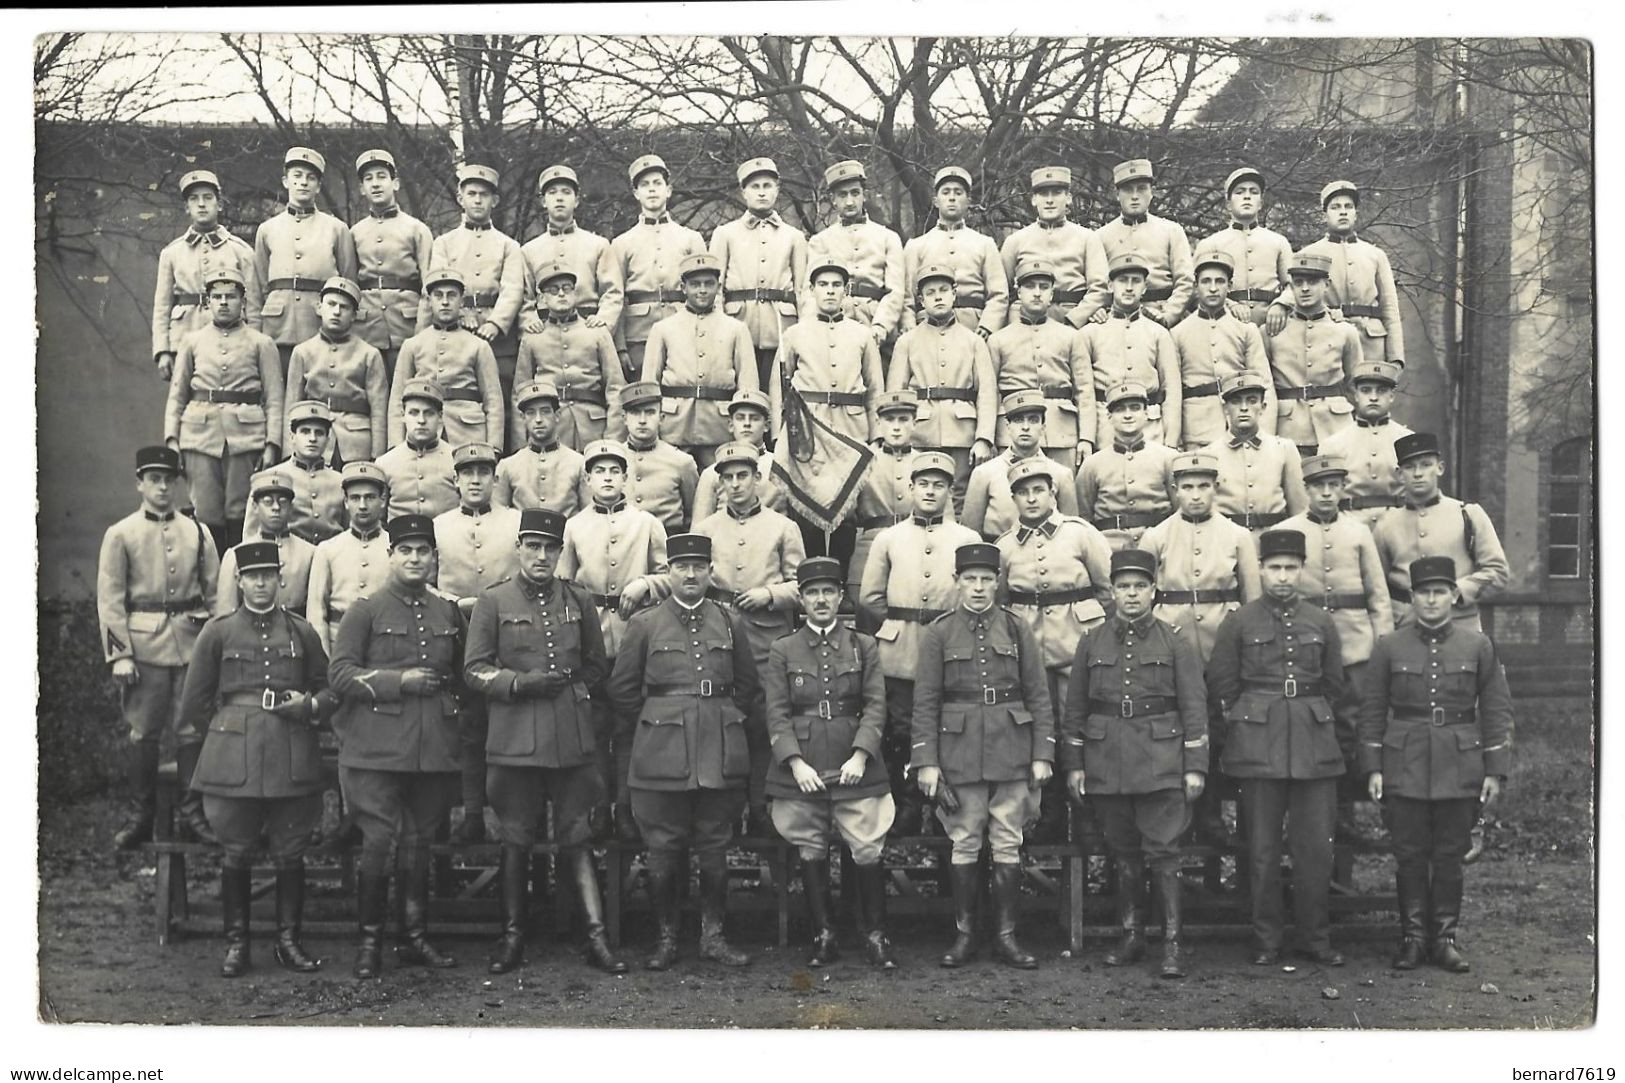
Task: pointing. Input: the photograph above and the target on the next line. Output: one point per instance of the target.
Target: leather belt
(970, 300)
(836, 398)
(1131, 706)
(1198, 597)
(390, 282)
(461, 394)
(758, 294)
(480, 298)
(872, 522)
(938, 394)
(1400, 594)
(1129, 520)
(844, 707)
(918, 616)
(1161, 293)
(706, 689)
(1069, 297)
(186, 299)
(988, 696)
(1257, 520)
(1436, 716)
(688, 391)
(344, 404)
(1043, 598)
(591, 395)
(1361, 503)
(587, 308)
(873, 293)
(1254, 295)
(1291, 687)
(1337, 601)
(1311, 392)
(1051, 391)
(1362, 310)
(296, 284)
(644, 297)
(1201, 391)
(266, 699)
(1155, 398)
(183, 606)
(241, 398)
(605, 601)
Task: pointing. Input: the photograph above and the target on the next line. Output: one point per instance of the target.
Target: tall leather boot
(1130, 912)
(1447, 884)
(663, 898)
(290, 911)
(1411, 884)
(713, 906)
(372, 903)
(815, 886)
(967, 887)
(585, 877)
(234, 891)
(1173, 923)
(1006, 905)
(141, 797)
(414, 948)
(194, 825)
(510, 950)
(871, 898)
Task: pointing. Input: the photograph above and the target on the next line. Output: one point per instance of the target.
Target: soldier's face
(302, 183)
(1194, 492)
(541, 421)
(1309, 291)
(848, 199)
(1280, 576)
(1052, 202)
(422, 420)
(474, 484)
(309, 440)
(829, 290)
(446, 302)
(1036, 294)
(379, 185)
(258, 587)
(606, 478)
(700, 290)
(937, 297)
(1342, 213)
(1035, 499)
(748, 425)
(203, 206)
(897, 428)
(1134, 197)
(365, 503)
(642, 422)
(337, 313)
(226, 302)
(952, 200)
(977, 587)
(1325, 493)
(1373, 399)
(1242, 410)
(1133, 592)
(559, 295)
(1128, 418)
(761, 192)
(821, 600)
(274, 510)
(653, 192)
(1026, 430)
(1421, 475)
(538, 556)
(931, 491)
(738, 483)
(1127, 289)
(1246, 200)
(478, 200)
(690, 578)
(1433, 601)
(156, 489)
(559, 199)
(412, 560)
(1212, 287)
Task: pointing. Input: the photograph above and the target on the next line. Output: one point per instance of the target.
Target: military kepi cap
(736, 452)
(157, 457)
(1027, 400)
(1136, 169)
(934, 270)
(1309, 263)
(409, 527)
(1323, 466)
(820, 570)
(1126, 391)
(257, 556)
(641, 392)
(484, 173)
(602, 449)
(820, 266)
(225, 274)
(376, 156)
(687, 547)
(1433, 570)
(749, 169)
(1034, 267)
(951, 172)
(1134, 560)
(841, 172)
(1193, 462)
(926, 462)
(1127, 261)
(1038, 466)
(308, 410)
(197, 177)
(343, 286)
(1382, 371)
(445, 276)
(976, 555)
(755, 399)
(1215, 259)
(1339, 188)
(1236, 176)
(901, 399)
(555, 173)
(698, 263)
(642, 165)
(556, 269)
(1415, 444)
(543, 522)
(305, 156)
(472, 455)
(1237, 382)
(424, 389)
(535, 391)
(359, 472)
(269, 481)
(1050, 176)
(1283, 543)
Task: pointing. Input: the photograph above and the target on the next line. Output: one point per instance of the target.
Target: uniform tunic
(873, 255)
(830, 357)
(391, 247)
(551, 478)
(1260, 480)
(982, 290)
(1362, 286)
(1054, 575)
(909, 580)
(477, 548)
(232, 359)
(708, 496)
(147, 563)
(1123, 489)
(989, 506)
(598, 275)
(344, 569)
(604, 550)
(1078, 259)
(1439, 529)
(1214, 555)
(462, 363)
(826, 699)
(307, 248)
(1314, 352)
(1367, 450)
(581, 362)
(647, 258)
(1260, 257)
(760, 548)
(885, 498)
(939, 362)
(1047, 355)
(710, 353)
(660, 479)
(293, 578)
(1343, 576)
(180, 302)
(1163, 245)
(494, 272)
(318, 502)
(422, 481)
(759, 254)
(348, 374)
(1131, 348)
(1210, 349)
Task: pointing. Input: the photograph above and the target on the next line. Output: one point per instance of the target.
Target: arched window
(1567, 526)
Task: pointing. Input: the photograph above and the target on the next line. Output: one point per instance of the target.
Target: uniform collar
(1118, 445)
(1208, 518)
(387, 212)
(686, 610)
(1427, 503)
(1119, 314)
(650, 446)
(950, 227)
(297, 212)
(976, 619)
(216, 236)
(567, 318)
(898, 452)
(1059, 223)
(699, 312)
(532, 589)
(407, 595)
(1254, 441)
(1217, 314)
(447, 328)
(925, 520)
(1046, 528)
(1351, 237)
(335, 339)
(1279, 610)
(266, 535)
(470, 226)
(940, 323)
(315, 467)
(475, 512)
(741, 516)
(822, 635)
(260, 618)
(1132, 219)
(1141, 627)
(426, 448)
(1313, 518)
(154, 517)
(561, 231)
(658, 220)
(1034, 321)
(545, 449)
(755, 221)
(1437, 634)
(860, 220)
(1377, 424)
(1300, 314)
(1242, 228)
(836, 318)
(227, 327)
(609, 509)
(376, 531)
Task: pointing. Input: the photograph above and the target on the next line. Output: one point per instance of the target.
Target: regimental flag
(819, 469)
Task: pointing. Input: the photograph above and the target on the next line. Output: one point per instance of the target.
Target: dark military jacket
(1136, 709)
(826, 698)
(1435, 713)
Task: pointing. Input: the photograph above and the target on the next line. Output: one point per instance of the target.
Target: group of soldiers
(1086, 445)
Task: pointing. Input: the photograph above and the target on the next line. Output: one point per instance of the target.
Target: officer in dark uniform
(536, 652)
(1436, 743)
(826, 712)
(398, 663)
(1134, 737)
(1275, 671)
(258, 685)
(688, 709)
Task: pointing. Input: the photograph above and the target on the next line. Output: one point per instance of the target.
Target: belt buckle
(706, 687)
(1438, 716)
(1290, 688)
(990, 696)
(268, 700)
(825, 710)
(1126, 708)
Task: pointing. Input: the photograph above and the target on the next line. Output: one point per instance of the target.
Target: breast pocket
(224, 759)
(1461, 679)
(516, 639)
(660, 748)
(668, 663)
(1258, 649)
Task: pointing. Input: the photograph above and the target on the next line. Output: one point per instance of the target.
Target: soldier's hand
(420, 681)
(1275, 320)
(1373, 785)
(295, 707)
(166, 365)
(1490, 792)
(1239, 310)
(878, 332)
(980, 452)
(173, 443)
(631, 597)
(595, 320)
(532, 325)
(1075, 787)
(807, 779)
(1468, 589)
(488, 331)
(1336, 315)
(468, 320)
(1042, 772)
(600, 823)
(929, 779)
(1100, 315)
(1085, 449)
(754, 599)
(535, 683)
(626, 825)
(125, 673)
(1195, 783)
(854, 767)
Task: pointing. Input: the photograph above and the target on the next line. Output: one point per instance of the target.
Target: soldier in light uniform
(647, 257)
(762, 261)
(543, 473)
(748, 412)
(687, 659)
(699, 357)
(492, 270)
(392, 252)
(1134, 746)
(460, 362)
(826, 710)
(341, 369)
(980, 296)
(660, 479)
(350, 565)
(1040, 352)
(155, 580)
(587, 255)
(1260, 474)
(272, 494)
(422, 477)
(1055, 575)
(224, 413)
(908, 581)
(295, 252)
(180, 302)
(1362, 281)
(1123, 487)
(990, 504)
(1434, 525)
(318, 495)
(1129, 347)
(1160, 242)
(1435, 747)
(536, 656)
(871, 253)
(1312, 359)
(257, 689)
(950, 369)
(1257, 255)
(1275, 671)
(398, 752)
(884, 495)
(1367, 446)
(1213, 343)
(1073, 252)
(983, 728)
(577, 356)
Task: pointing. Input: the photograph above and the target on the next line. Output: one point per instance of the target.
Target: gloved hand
(536, 684)
(295, 708)
(626, 825)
